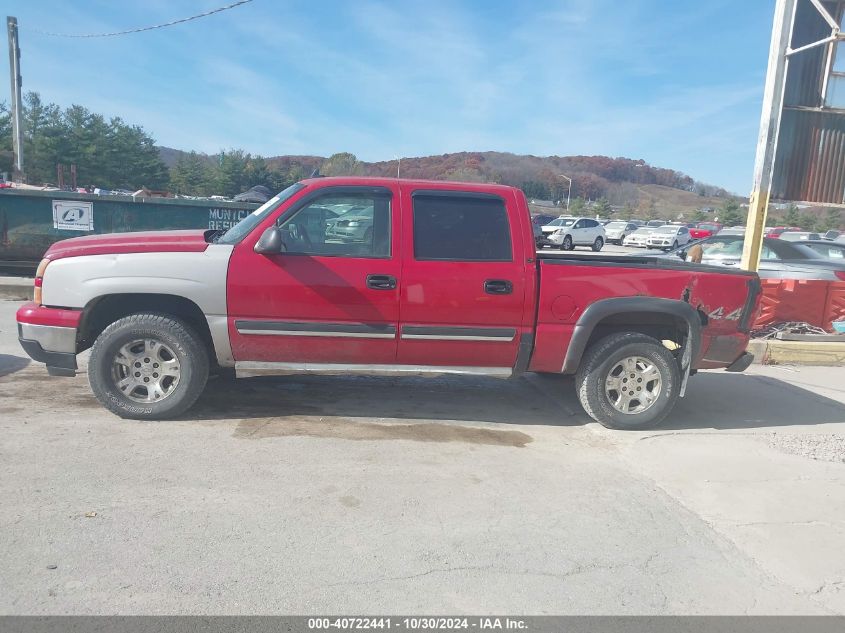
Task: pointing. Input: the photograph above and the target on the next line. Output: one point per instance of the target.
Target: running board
(249, 369)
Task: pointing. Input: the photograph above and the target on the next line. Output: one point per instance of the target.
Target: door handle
(498, 287)
(381, 282)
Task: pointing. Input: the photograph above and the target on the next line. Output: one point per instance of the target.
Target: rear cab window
(457, 226)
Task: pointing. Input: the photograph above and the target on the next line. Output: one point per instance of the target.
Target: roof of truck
(409, 182)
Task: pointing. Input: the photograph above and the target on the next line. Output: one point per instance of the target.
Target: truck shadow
(455, 398)
(10, 364)
(713, 401)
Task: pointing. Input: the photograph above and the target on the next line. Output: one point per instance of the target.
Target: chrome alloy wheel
(146, 370)
(633, 385)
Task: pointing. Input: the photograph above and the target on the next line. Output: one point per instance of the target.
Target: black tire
(674, 245)
(598, 244)
(188, 349)
(603, 356)
(566, 244)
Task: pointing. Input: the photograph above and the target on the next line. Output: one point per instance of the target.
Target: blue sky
(675, 82)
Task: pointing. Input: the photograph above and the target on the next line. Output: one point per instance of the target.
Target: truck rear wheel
(148, 367)
(628, 381)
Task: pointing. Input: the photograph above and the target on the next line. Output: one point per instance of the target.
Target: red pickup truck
(381, 276)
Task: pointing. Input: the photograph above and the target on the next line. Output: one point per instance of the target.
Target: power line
(147, 28)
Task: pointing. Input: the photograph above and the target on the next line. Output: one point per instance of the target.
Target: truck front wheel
(628, 381)
(148, 367)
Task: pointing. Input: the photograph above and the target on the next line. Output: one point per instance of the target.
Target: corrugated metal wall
(810, 162)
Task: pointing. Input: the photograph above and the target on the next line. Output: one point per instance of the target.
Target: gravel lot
(338, 495)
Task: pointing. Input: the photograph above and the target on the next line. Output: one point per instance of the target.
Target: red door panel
(317, 308)
(460, 313)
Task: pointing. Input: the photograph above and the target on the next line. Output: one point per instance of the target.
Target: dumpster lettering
(224, 219)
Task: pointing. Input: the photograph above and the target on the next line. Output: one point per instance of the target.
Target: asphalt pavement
(314, 495)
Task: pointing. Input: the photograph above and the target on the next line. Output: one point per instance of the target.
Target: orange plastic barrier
(834, 309)
(809, 300)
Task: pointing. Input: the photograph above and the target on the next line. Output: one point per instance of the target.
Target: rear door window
(461, 228)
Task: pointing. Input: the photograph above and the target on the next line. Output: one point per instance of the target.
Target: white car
(639, 238)
(668, 236)
(618, 230)
(567, 233)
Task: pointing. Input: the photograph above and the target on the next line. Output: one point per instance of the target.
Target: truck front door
(332, 296)
(464, 280)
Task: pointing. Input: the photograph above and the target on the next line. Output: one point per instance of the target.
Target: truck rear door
(463, 296)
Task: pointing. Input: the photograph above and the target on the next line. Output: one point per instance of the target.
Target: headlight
(39, 280)
(353, 223)
(559, 232)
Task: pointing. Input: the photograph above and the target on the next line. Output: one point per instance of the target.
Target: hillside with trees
(112, 154)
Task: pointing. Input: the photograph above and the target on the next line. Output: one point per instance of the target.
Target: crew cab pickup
(444, 279)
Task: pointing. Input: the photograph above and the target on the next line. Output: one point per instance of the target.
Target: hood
(141, 242)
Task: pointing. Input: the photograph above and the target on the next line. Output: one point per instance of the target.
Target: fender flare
(604, 308)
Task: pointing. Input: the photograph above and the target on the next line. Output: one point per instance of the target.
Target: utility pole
(569, 193)
(17, 108)
(769, 127)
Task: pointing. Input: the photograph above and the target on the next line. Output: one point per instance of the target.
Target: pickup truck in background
(444, 279)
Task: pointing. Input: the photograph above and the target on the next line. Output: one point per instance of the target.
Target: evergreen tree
(191, 176)
(832, 220)
(577, 206)
(730, 214)
(808, 222)
(792, 217)
(602, 208)
(341, 164)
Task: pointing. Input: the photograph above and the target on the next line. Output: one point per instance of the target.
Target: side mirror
(270, 242)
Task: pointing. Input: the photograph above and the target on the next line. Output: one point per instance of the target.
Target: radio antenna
(398, 165)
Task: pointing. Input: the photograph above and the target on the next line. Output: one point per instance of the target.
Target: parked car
(454, 287)
(775, 232)
(831, 235)
(538, 222)
(704, 229)
(355, 225)
(779, 259)
(656, 223)
(572, 232)
(827, 248)
(617, 231)
(639, 238)
(668, 236)
(733, 230)
(553, 226)
(799, 236)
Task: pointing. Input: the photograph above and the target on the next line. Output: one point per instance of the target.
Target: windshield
(708, 227)
(665, 230)
(242, 228)
(617, 225)
(562, 222)
(643, 232)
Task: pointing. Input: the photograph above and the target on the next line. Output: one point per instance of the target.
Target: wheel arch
(104, 310)
(659, 318)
